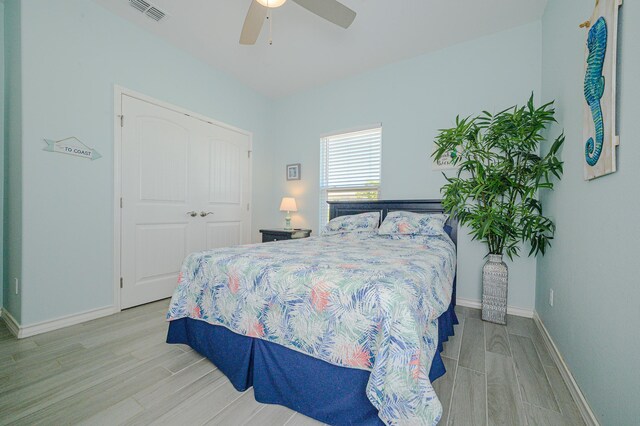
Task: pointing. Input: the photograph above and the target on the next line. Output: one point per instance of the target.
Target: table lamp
(288, 205)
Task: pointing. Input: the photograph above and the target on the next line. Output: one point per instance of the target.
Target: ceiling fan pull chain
(270, 27)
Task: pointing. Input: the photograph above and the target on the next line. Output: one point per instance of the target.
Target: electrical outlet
(17, 285)
(551, 297)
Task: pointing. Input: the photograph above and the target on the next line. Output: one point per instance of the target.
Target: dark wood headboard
(343, 208)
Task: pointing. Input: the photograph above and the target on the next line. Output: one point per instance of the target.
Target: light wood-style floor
(118, 370)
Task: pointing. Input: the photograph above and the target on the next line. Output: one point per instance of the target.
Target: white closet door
(224, 185)
(169, 172)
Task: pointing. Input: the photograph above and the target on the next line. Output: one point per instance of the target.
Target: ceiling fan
(331, 10)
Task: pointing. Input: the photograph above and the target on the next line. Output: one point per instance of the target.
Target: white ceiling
(308, 51)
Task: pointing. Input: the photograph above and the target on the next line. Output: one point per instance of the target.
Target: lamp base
(287, 223)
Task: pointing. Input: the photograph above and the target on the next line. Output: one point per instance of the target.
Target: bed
(295, 320)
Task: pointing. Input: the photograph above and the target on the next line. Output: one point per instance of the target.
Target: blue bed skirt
(315, 388)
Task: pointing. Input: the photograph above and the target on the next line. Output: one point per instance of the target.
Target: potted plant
(496, 189)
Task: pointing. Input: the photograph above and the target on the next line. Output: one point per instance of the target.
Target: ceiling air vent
(155, 13)
(148, 9)
(141, 5)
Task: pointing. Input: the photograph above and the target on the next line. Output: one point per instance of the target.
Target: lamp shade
(272, 3)
(288, 204)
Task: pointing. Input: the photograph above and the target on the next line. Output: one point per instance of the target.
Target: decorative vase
(495, 278)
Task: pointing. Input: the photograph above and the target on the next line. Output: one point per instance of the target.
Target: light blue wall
(2, 149)
(412, 99)
(593, 265)
(73, 52)
(12, 222)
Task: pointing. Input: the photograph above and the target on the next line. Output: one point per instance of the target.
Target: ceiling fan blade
(331, 10)
(253, 23)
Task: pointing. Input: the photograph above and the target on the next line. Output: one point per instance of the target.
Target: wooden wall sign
(599, 134)
(71, 146)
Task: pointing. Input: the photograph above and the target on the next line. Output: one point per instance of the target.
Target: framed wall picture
(293, 171)
(599, 136)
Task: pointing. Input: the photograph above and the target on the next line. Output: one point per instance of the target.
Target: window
(350, 165)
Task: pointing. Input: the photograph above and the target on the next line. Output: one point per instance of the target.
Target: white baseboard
(21, 331)
(583, 406)
(511, 310)
(11, 322)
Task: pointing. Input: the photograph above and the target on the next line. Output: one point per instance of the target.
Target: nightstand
(283, 234)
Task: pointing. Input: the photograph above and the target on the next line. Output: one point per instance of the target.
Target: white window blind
(350, 167)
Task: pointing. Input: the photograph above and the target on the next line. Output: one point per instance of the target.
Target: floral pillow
(364, 222)
(401, 222)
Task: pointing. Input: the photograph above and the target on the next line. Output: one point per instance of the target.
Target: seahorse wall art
(594, 83)
(600, 139)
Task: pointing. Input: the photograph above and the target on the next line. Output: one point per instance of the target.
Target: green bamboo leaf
(500, 174)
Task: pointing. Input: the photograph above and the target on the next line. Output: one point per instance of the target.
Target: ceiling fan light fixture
(271, 4)
(260, 12)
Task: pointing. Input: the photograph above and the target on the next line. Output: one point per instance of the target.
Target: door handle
(205, 214)
(192, 213)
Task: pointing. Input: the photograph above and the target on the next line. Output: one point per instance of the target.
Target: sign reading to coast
(71, 146)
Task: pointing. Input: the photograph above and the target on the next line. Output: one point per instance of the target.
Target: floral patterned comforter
(358, 300)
